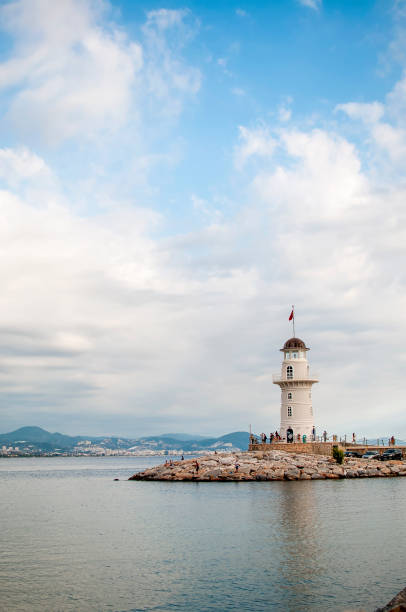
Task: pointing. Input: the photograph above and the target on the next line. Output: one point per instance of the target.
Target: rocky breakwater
(272, 465)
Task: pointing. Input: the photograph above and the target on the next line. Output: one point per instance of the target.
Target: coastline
(270, 466)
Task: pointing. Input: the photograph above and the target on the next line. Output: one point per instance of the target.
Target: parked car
(371, 455)
(391, 453)
(352, 453)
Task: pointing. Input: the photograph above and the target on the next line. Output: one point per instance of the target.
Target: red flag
(291, 316)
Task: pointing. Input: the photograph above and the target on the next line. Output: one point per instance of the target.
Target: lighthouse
(295, 382)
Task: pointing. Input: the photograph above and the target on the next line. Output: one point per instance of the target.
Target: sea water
(72, 538)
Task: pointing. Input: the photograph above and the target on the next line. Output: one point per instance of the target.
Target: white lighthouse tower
(295, 381)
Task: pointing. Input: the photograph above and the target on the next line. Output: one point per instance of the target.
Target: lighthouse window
(287, 356)
(289, 411)
(289, 371)
(311, 409)
(294, 355)
(289, 395)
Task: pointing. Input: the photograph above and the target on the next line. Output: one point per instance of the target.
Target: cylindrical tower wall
(297, 409)
(299, 367)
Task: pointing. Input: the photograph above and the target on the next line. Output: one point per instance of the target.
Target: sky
(173, 177)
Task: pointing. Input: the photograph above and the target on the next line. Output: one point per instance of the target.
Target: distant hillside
(238, 439)
(180, 436)
(37, 435)
(39, 438)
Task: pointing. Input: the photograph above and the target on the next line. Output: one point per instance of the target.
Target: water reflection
(301, 555)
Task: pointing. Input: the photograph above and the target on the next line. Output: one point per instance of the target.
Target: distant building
(295, 382)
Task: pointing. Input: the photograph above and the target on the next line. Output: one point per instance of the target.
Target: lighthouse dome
(295, 343)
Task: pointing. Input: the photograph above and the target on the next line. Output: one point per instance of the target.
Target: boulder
(372, 472)
(212, 474)
(292, 474)
(397, 604)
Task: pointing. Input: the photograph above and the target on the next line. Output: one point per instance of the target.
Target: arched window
(289, 395)
(289, 371)
(289, 411)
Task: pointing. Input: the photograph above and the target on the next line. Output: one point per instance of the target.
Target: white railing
(285, 378)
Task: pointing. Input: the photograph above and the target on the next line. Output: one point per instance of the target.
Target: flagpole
(293, 320)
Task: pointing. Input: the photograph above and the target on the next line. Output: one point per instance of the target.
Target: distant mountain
(38, 438)
(238, 439)
(181, 436)
(37, 435)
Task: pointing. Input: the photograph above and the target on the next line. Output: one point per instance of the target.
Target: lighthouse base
(299, 429)
(310, 448)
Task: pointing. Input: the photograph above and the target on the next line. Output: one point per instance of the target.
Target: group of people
(276, 437)
(171, 463)
(272, 436)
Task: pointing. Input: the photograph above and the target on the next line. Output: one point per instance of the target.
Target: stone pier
(319, 448)
(269, 466)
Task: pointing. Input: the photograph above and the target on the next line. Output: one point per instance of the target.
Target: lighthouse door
(289, 434)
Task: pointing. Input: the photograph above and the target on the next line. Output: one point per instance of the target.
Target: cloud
(366, 112)
(163, 19)
(74, 75)
(241, 12)
(202, 206)
(384, 122)
(325, 177)
(284, 114)
(168, 78)
(284, 111)
(313, 4)
(253, 143)
(21, 165)
(237, 91)
(69, 282)
(396, 101)
(101, 322)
